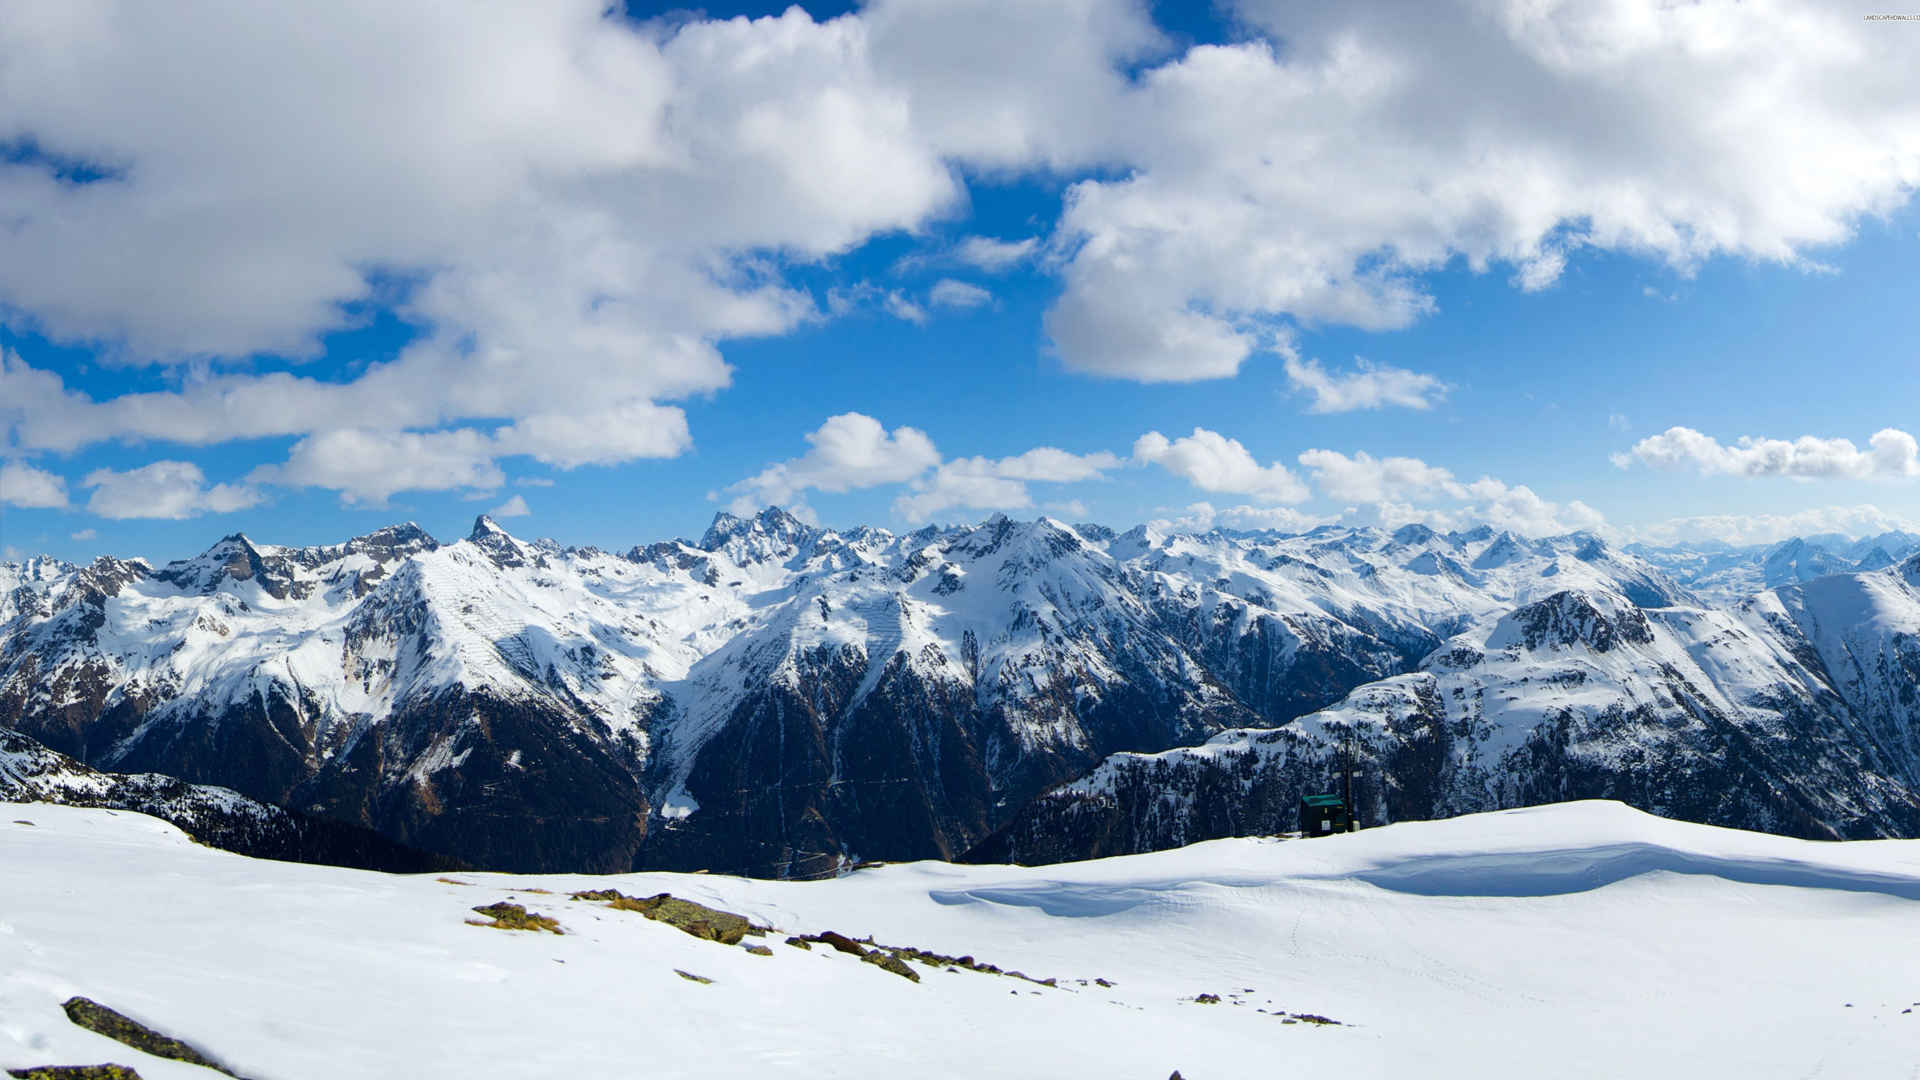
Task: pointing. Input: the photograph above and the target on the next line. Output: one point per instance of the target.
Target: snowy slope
(1580, 941)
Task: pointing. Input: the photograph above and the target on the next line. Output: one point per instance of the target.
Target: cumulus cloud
(1889, 453)
(1741, 529)
(514, 507)
(163, 489)
(854, 451)
(637, 429)
(1212, 462)
(998, 484)
(1367, 386)
(1363, 478)
(958, 295)
(25, 486)
(1511, 132)
(574, 206)
(1518, 508)
(1397, 490)
(849, 451)
(85, 534)
(1202, 516)
(370, 466)
(995, 256)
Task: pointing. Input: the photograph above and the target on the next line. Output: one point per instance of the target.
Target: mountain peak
(497, 544)
(772, 530)
(1412, 533)
(407, 532)
(1572, 617)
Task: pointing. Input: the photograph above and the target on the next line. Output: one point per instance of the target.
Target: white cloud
(1740, 529)
(845, 300)
(584, 207)
(1363, 478)
(1539, 272)
(958, 295)
(583, 204)
(637, 429)
(898, 305)
(1202, 516)
(1100, 328)
(1393, 491)
(514, 507)
(853, 451)
(25, 486)
(534, 481)
(368, 467)
(998, 484)
(85, 534)
(163, 489)
(1618, 422)
(1506, 132)
(1366, 387)
(849, 451)
(1889, 453)
(1212, 462)
(1518, 508)
(995, 256)
(1071, 509)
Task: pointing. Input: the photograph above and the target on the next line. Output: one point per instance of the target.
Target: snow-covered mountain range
(779, 699)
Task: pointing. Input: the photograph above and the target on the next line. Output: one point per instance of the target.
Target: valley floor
(1579, 940)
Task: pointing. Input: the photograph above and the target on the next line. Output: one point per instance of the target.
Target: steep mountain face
(1795, 714)
(222, 818)
(775, 699)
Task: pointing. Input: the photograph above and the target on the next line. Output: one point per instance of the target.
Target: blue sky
(638, 284)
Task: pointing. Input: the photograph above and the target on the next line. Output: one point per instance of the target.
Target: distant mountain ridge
(780, 699)
(1725, 574)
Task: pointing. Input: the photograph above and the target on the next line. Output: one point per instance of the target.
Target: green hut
(1324, 815)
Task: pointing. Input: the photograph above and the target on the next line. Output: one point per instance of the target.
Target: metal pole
(1353, 812)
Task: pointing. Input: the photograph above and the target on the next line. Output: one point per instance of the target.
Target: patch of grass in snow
(894, 957)
(97, 1018)
(710, 924)
(507, 916)
(886, 961)
(73, 1073)
(691, 977)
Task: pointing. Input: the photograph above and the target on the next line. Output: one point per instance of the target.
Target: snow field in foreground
(1579, 940)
